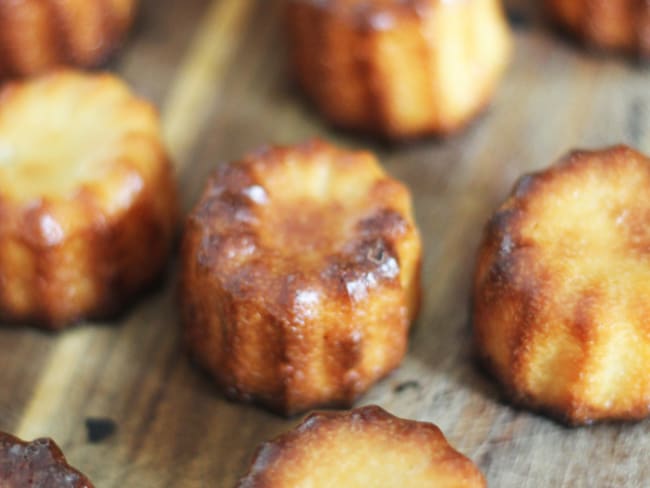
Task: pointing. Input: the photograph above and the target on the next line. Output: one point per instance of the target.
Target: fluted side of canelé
(621, 25)
(562, 276)
(363, 447)
(52, 279)
(38, 35)
(282, 308)
(399, 69)
(88, 205)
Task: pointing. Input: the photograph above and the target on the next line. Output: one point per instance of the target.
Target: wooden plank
(218, 71)
(200, 74)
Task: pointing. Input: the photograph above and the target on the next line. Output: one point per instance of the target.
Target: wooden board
(217, 70)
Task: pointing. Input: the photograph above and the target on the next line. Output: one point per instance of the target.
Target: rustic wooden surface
(217, 70)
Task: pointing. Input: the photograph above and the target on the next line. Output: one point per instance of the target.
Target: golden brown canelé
(365, 447)
(300, 276)
(611, 25)
(38, 35)
(87, 198)
(37, 464)
(561, 289)
(399, 68)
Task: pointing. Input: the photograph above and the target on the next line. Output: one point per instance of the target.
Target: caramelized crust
(87, 198)
(618, 25)
(560, 295)
(300, 276)
(399, 68)
(365, 447)
(38, 35)
(36, 464)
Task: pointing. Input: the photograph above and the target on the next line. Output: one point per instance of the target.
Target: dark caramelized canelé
(561, 307)
(364, 448)
(36, 464)
(399, 68)
(300, 276)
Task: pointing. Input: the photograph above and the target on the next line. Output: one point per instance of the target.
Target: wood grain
(217, 69)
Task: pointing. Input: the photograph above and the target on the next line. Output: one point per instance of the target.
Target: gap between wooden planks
(184, 112)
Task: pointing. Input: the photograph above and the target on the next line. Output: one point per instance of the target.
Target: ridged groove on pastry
(300, 276)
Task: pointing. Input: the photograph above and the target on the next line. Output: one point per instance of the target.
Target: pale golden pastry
(399, 68)
(300, 276)
(363, 448)
(615, 25)
(561, 289)
(87, 198)
(38, 35)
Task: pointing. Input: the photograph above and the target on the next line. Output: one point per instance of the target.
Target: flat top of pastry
(66, 131)
(308, 207)
(586, 218)
(366, 447)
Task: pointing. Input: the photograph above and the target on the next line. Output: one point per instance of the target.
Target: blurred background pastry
(38, 35)
(611, 25)
(399, 69)
(87, 198)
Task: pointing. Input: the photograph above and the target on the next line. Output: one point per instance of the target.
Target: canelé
(38, 35)
(561, 307)
(366, 447)
(399, 68)
(609, 25)
(36, 464)
(300, 276)
(87, 198)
